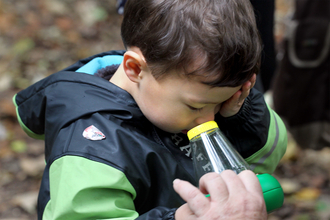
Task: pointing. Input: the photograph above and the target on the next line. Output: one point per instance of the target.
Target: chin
(184, 131)
(170, 130)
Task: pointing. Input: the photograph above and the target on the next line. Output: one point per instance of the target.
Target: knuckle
(228, 174)
(209, 176)
(246, 174)
(193, 193)
(252, 203)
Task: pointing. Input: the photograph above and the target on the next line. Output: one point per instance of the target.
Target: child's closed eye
(195, 109)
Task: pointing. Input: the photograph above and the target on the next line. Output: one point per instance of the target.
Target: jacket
(105, 160)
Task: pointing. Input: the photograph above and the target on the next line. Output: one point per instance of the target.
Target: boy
(114, 148)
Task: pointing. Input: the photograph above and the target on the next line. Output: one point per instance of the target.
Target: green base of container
(272, 190)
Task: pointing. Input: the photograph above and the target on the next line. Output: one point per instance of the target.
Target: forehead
(193, 89)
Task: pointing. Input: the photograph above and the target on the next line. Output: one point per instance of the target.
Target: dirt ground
(40, 37)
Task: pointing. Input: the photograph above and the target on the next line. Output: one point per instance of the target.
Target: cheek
(165, 115)
(169, 119)
(162, 109)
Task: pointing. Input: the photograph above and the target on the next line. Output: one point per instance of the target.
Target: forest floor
(40, 37)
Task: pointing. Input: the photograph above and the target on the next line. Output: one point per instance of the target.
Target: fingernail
(176, 181)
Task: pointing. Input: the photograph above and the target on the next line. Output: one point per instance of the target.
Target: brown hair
(219, 35)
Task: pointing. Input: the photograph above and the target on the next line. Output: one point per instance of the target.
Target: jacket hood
(73, 93)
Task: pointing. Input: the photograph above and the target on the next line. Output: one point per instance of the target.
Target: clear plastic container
(213, 152)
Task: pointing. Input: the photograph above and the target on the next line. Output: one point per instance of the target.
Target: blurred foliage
(40, 37)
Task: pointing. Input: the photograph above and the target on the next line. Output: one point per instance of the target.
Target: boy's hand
(231, 197)
(234, 103)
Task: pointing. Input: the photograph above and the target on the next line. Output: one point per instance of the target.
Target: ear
(133, 64)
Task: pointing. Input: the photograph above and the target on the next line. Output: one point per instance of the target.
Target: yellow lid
(201, 128)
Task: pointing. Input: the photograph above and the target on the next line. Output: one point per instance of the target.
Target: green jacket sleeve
(267, 158)
(85, 189)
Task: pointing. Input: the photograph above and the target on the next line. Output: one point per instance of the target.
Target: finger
(231, 106)
(184, 212)
(213, 184)
(253, 80)
(236, 98)
(234, 183)
(250, 181)
(245, 91)
(253, 189)
(247, 86)
(232, 101)
(195, 199)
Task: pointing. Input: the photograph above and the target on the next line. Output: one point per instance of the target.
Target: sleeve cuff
(240, 118)
(170, 214)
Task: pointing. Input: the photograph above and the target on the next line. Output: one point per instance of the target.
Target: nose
(205, 118)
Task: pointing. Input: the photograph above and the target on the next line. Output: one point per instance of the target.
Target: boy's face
(177, 103)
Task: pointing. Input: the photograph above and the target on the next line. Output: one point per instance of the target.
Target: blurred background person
(120, 6)
(264, 12)
(301, 90)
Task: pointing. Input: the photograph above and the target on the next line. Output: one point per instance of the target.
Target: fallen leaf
(289, 186)
(3, 132)
(27, 201)
(307, 194)
(23, 46)
(292, 151)
(64, 23)
(18, 146)
(33, 166)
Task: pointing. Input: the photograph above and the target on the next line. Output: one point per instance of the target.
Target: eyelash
(195, 109)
